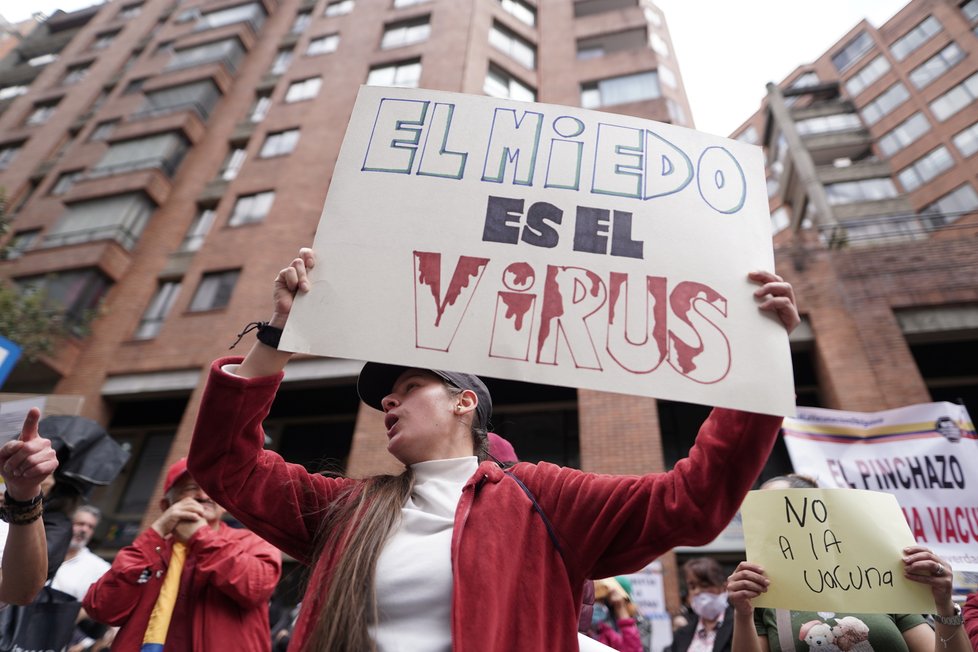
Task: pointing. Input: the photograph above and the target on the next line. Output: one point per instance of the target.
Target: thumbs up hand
(27, 460)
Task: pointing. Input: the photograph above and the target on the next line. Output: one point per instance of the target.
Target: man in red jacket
(228, 577)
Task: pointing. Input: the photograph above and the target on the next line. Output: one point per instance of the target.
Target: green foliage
(27, 318)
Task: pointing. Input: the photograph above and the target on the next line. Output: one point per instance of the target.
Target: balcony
(125, 237)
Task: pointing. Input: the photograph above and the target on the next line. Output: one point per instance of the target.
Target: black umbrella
(87, 455)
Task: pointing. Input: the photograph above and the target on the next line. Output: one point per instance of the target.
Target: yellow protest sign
(832, 550)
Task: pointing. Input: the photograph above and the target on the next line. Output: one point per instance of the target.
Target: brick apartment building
(162, 160)
(873, 186)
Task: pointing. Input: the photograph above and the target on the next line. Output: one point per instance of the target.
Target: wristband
(266, 334)
(21, 512)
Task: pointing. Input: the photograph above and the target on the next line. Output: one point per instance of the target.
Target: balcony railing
(167, 165)
(202, 111)
(124, 235)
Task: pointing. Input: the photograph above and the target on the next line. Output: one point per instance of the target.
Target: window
(42, 60)
(925, 168)
(749, 135)
(253, 13)
(936, 66)
(848, 192)
(118, 217)
(160, 151)
(233, 163)
(967, 141)
(104, 40)
(66, 181)
(229, 51)
(903, 134)
(604, 44)
(152, 320)
(805, 80)
(19, 243)
(517, 47)
(323, 44)
(869, 73)
(522, 11)
(251, 208)
(780, 220)
(8, 92)
(970, 10)
(214, 290)
(591, 7)
(916, 37)
(301, 22)
(305, 89)
(501, 84)
(200, 96)
(772, 187)
(406, 32)
(338, 8)
(853, 51)
(955, 99)
(279, 144)
(8, 152)
(620, 90)
(659, 44)
(130, 11)
(198, 230)
(260, 108)
(405, 74)
(103, 130)
(829, 124)
(667, 76)
(283, 59)
(74, 293)
(884, 103)
(135, 86)
(676, 112)
(40, 114)
(960, 201)
(75, 74)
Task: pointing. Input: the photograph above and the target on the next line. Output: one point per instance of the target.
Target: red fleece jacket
(970, 613)
(507, 572)
(227, 581)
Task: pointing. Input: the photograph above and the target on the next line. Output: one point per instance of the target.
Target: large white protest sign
(548, 244)
(926, 455)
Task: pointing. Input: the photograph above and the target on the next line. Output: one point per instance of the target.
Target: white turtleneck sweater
(414, 570)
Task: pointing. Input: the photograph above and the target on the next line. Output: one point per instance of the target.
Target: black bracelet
(21, 512)
(267, 335)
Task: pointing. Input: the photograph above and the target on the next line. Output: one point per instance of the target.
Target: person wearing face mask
(613, 622)
(710, 626)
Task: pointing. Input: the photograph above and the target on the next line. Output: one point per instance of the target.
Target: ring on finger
(939, 571)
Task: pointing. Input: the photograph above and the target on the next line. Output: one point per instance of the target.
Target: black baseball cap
(377, 379)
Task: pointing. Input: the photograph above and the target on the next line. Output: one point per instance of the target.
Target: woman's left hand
(920, 564)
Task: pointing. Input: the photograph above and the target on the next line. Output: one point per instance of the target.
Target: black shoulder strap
(539, 510)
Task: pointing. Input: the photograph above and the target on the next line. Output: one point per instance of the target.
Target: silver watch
(951, 621)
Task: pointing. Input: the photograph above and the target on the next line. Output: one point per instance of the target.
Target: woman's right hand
(290, 280)
(745, 584)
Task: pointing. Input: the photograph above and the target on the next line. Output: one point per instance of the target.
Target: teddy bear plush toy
(818, 636)
(851, 635)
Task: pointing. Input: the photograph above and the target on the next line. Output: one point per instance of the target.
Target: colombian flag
(159, 619)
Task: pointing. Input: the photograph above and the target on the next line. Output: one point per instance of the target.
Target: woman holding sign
(456, 553)
(780, 630)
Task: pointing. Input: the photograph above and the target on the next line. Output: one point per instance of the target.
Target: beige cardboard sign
(832, 550)
(547, 244)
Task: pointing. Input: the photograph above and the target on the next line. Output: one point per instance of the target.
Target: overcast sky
(727, 50)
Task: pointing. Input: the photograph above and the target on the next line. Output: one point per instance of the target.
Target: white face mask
(709, 606)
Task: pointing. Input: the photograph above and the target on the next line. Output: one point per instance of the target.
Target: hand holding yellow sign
(832, 550)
